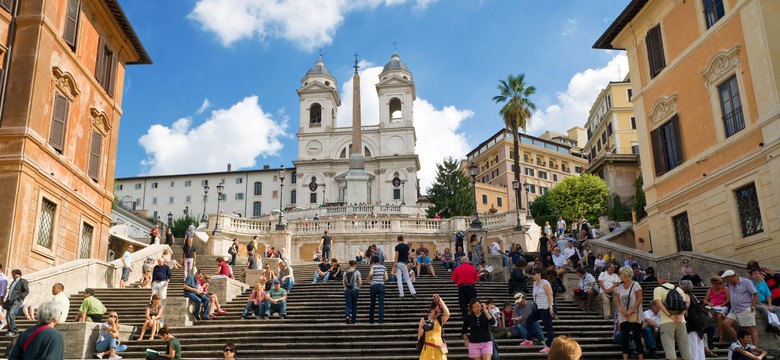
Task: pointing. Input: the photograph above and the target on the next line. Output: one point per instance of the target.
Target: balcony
(553, 166)
(733, 122)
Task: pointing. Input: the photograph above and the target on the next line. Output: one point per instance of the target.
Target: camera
(428, 325)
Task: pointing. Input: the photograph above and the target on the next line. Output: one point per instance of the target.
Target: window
(396, 194)
(499, 201)
(187, 183)
(154, 185)
(105, 70)
(204, 182)
(543, 175)
(532, 189)
(667, 146)
(598, 146)
(609, 101)
(731, 105)
(85, 249)
(748, 210)
(222, 197)
(609, 129)
(713, 11)
(6, 4)
(257, 209)
(239, 180)
(59, 119)
(655, 51)
(313, 198)
(578, 169)
(239, 196)
(293, 196)
(258, 188)
(682, 232)
(633, 123)
(276, 178)
(484, 198)
(170, 200)
(529, 172)
(635, 149)
(188, 199)
(629, 94)
(71, 23)
(154, 201)
(315, 115)
(173, 183)
(293, 177)
(137, 202)
(46, 227)
(604, 138)
(138, 186)
(542, 190)
(555, 177)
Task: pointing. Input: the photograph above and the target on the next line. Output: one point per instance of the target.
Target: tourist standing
(351, 284)
(173, 350)
(673, 327)
(465, 277)
(744, 298)
(127, 258)
(325, 245)
(430, 330)
(41, 342)
(378, 275)
(608, 281)
(543, 298)
(476, 250)
(476, 331)
(547, 228)
(59, 297)
(629, 307)
(3, 293)
(169, 237)
(15, 300)
(189, 256)
(154, 234)
(400, 269)
(161, 275)
(233, 251)
(560, 226)
(108, 337)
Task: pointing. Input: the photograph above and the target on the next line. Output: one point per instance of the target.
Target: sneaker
(527, 343)
(115, 356)
(281, 317)
(99, 355)
(544, 350)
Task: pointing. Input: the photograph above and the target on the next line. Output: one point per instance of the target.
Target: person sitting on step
(173, 351)
(270, 275)
(322, 272)
(286, 276)
(166, 255)
(743, 348)
(335, 271)
(91, 308)
(108, 338)
(256, 302)
(193, 292)
(146, 279)
(154, 313)
(447, 261)
(425, 262)
(214, 308)
(277, 301)
(520, 313)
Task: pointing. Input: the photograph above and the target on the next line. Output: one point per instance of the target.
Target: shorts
(125, 274)
(476, 350)
(744, 318)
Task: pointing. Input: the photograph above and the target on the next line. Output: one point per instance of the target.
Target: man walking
(189, 257)
(127, 259)
(161, 275)
(351, 284)
(673, 328)
(325, 245)
(465, 276)
(378, 276)
(15, 299)
(744, 298)
(400, 269)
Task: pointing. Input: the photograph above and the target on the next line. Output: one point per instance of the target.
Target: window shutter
(112, 79)
(94, 156)
(658, 157)
(100, 63)
(678, 147)
(71, 23)
(58, 119)
(6, 4)
(655, 50)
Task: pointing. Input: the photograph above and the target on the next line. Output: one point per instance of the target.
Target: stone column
(281, 239)
(177, 312)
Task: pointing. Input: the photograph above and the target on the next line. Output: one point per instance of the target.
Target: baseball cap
(519, 297)
(276, 281)
(728, 273)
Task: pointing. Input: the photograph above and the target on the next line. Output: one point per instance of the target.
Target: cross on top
(356, 63)
(320, 53)
(395, 46)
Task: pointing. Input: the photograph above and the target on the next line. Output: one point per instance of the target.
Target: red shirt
(223, 268)
(465, 274)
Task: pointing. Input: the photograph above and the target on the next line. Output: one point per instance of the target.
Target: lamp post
(220, 189)
(403, 192)
(473, 172)
(518, 200)
(324, 194)
(280, 225)
(170, 219)
(205, 218)
(528, 216)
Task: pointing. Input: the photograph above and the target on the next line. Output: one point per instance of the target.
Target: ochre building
(706, 91)
(63, 66)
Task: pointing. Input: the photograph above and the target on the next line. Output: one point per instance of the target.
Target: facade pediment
(394, 80)
(100, 121)
(65, 82)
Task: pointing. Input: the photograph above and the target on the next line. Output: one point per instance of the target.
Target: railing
(315, 125)
(734, 121)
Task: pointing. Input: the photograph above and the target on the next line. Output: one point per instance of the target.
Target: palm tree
(516, 112)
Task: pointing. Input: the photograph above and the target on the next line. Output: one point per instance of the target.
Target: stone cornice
(100, 121)
(721, 65)
(65, 82)
(663, 109)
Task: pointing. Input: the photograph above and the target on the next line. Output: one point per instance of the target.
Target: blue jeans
(544, 315)
(647, 334)
(506, 260)
(197, 302)
(326, 252)
(536, 332)
(109, 343)
(280, 307)
(377, 291)
(317, 277)
(10, 316)
(351, 299)
(255, 309)
(288, 284)
(448, 265)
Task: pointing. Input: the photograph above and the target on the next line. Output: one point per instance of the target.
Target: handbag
(633, 318)
(773, 319)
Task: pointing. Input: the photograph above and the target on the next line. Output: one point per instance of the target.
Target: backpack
(698, 316)
(350, 279)
(674, 302)
(250, 246)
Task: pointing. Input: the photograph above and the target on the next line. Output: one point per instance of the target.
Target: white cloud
(203, 107)
(438, 130)
(306, 23)
(570, 27)
(237, 135)
(573, 105)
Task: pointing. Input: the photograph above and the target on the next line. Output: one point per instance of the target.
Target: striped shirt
(378, 276)
(741, 295)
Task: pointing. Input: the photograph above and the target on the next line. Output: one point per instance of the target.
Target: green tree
(181, 224)
(585, 195)
(516, 112)
(639, 198)
(450, 193)
(542, 210)
(618, 210)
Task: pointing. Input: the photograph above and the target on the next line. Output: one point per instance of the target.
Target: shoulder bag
(633, 318)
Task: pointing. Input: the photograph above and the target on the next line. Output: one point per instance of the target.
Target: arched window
(343, 154)
(395, 110)
(366, 152)
(315, 115)
(294, 177)
(258, 188)
(257, 209)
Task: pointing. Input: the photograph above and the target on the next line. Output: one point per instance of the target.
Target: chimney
(266, 167)
(229, 167)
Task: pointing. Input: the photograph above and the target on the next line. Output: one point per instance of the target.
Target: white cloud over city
(572, 106)
(306, 23)
(439, 132)
(237, 135)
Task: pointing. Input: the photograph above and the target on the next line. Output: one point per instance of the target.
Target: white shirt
(64, 302)
(609, 280)
(495, 249)
(561, 224)
(559, 260)
(648, 314)
(569, 251)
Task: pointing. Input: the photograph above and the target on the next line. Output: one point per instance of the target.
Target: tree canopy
(585, 195)
(451, 192)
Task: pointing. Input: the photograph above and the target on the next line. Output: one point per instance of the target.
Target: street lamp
(528, 216)
(280, 225)
(220, 189)
(518, 199)
(324, 194)
(403, 192)
(473, 172)
(170, 219)
(205, 218)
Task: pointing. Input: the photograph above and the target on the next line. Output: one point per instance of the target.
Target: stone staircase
(314, 327)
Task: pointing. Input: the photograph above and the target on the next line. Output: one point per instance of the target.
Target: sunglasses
(228, 350)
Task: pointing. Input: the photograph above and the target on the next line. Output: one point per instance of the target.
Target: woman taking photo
(476, 331)
(430, 330)
(476, 250)
(543, 299)
(154, 314)
(108, 339)
(629, 306)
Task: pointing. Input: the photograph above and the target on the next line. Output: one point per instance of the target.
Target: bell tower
(396, 94)
(319, 99)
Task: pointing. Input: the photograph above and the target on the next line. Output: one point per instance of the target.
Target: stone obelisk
(357, 178)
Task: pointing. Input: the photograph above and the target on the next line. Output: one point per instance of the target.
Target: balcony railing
(734, 121)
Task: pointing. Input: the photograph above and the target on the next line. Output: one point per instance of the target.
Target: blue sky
(222, 86)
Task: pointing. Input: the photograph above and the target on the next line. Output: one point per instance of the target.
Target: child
(412, 274)
(506, 314)
(743, 349)
(146, 280)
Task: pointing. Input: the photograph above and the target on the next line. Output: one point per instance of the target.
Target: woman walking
(430, 330)
(629, 306)
(476, 331)
(476, 250)
(543, 298)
